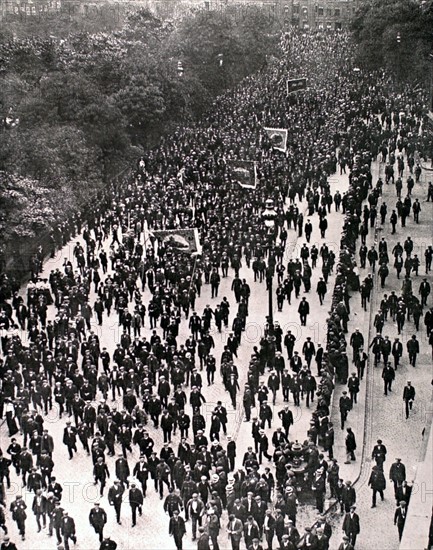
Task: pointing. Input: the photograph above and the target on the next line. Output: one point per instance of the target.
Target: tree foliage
(31, 207)
(85, 104)
(395, 34)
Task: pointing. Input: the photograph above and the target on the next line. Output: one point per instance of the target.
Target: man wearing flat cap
(7, 544)
(255, 545)
(351, 525)
(345, 545)
(310, 540)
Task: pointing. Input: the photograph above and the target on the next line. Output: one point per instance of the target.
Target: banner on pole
(180, 175)
(278, 137)
(181, 240)
(296, 84)
(244, 172)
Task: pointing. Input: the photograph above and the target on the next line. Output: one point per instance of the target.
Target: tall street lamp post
(269, 218)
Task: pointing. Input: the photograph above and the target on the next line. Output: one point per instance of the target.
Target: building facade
(28, 7)
(304, 14)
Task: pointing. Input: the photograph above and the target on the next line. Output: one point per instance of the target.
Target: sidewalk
(377, 416)
(416, 529)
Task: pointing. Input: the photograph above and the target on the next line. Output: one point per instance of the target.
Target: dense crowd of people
(186, 182)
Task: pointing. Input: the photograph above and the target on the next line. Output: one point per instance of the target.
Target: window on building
(320, 11)
(337, 12)
(295, 10)
(305, 25)
(320, 26)
(329, 26)
(338, 25)
(328, 12)
(305, 10)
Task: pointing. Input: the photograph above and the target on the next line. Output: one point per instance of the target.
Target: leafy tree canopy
(86, 98)
(395, 34)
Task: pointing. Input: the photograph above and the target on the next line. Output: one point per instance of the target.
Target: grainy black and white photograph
(216, 245)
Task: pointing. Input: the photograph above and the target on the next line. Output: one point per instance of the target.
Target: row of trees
(83, 97)
(396, 35)
(79, 109)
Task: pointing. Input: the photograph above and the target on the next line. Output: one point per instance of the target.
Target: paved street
(375, 416)
(211, 121)
(76, 475)
(383, 417)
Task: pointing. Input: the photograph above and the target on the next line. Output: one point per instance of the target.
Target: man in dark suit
(261, 513)
(269, 528)
(101, 473)
(397, 352)
(235, 530)
(221, 412)
(377, 483)
(255, 545)
(287, 544)
(388, 376)
(348, 496)
(291, 531)
(289, 342)
(251, 531)
(55, 513)
(263, 446)
(194, 509)
(136, 502)
(351, 525)
(67, 528)
(98, 519)
(310, 540)
(408, 397)
(18, 510)
(353, 387)
(7, 544)
(308, 350)
(397, 474)
(231, 452)
(296, 362)
(404, 492)
(39, 508)
(286, 417)
(278, 438)
(250, 505)
(303, 310)
(345, 545)
(239, 511)
(115, 495)
(379, 453)
(345, 406)
(400, 517)
(141, 472)
(324, 526)
(322, 539)
(176, 529)
(70, 439)
(203, 540)
(412, 350)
